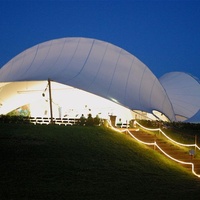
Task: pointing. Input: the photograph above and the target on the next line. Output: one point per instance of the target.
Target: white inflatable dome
(183, 91)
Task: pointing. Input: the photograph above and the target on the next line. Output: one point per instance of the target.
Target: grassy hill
(56, 162)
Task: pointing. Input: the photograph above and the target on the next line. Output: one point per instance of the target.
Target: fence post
(50, 101)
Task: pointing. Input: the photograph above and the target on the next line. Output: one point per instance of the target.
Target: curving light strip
(156, 145)
(158, 129)
(179, 161)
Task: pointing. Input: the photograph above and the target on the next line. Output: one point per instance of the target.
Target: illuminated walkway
(175, 151)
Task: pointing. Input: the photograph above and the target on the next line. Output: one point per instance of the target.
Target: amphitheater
(63, 79)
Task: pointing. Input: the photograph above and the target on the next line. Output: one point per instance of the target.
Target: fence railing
(59, 121)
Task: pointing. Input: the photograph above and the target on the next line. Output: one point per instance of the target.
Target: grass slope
(55, 162)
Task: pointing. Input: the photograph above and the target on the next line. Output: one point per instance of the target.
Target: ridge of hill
(58, 162)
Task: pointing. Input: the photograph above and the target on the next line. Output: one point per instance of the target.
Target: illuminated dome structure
(89, 65)
(184, 93)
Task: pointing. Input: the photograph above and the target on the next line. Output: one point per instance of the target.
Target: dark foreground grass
(55, 162)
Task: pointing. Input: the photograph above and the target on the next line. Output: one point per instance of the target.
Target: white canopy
(94, 66)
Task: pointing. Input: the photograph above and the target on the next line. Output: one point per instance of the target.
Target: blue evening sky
(164, 35)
